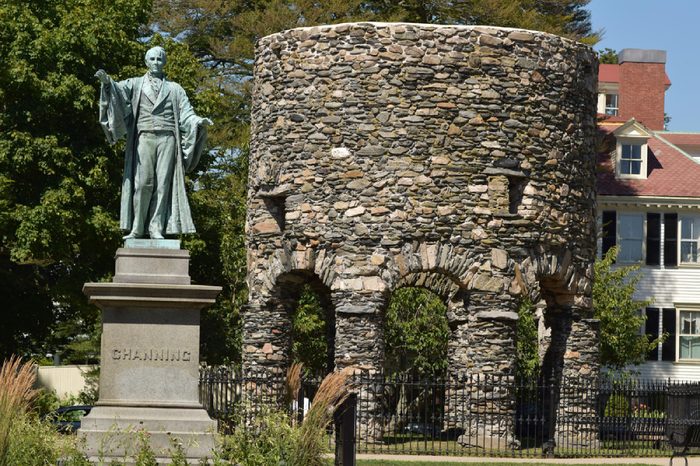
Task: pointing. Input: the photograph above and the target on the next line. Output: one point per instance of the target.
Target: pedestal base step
(119, 433)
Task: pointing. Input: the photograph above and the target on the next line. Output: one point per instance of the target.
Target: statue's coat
(119, 104)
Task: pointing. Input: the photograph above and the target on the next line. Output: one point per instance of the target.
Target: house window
(689, 335)
(655, 241)
(611, 107)
(631, 159)
(631, 237)
(690, 234)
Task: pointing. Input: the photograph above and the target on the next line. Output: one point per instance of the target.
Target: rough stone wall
(451, 157)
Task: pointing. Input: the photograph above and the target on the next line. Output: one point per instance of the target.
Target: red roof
(670, 173)
(682, 139)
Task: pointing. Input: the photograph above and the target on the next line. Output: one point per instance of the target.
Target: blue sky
(671, 25)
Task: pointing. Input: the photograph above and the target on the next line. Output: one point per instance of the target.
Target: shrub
(264, 442)
(617, 406)
(273, 439)
(310, 444)
(34, 442)
(24, 438)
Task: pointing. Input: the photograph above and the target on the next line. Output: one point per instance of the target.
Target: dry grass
(312, 443)
(293, 382)
(16, 393)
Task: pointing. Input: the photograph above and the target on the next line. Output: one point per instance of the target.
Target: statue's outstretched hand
(102, 76)
(206, 122)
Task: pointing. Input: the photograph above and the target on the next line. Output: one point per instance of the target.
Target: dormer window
(631, 150)
(611, 106)
(631, 159)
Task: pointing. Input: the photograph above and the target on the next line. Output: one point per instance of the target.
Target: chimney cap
(642, 56)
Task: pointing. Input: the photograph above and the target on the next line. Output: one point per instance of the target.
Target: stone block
(152, 265)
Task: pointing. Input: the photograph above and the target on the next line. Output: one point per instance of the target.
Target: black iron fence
(479, 415)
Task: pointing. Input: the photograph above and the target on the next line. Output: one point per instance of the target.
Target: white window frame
(696, 230)
(680, 309)
(643, 152)
(642, 239)
(610, 109)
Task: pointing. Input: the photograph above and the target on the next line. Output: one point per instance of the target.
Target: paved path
(456, 459)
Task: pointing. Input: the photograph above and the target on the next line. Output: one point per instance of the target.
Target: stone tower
(455, 158)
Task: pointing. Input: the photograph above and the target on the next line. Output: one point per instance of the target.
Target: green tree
(309, 325)
(416, 333)
(619, 313)
(568, 18)
(527, 360)
(59, 179)
(608, 56)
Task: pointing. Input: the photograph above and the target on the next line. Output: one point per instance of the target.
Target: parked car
(67, 418)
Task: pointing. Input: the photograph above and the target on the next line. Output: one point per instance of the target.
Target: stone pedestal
(149, 369)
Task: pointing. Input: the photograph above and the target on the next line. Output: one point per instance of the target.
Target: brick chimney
(643, 83)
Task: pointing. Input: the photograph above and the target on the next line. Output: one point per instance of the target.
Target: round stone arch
(268, 325)
(454, 297)
(569, 334)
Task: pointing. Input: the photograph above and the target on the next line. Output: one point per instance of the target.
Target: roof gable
(632, 129)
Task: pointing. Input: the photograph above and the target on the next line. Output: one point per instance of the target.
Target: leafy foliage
(266, 440)
(527, 361)
(58, 177)
(309, 329)
(620, 318)
(607, 56)
(416, 332)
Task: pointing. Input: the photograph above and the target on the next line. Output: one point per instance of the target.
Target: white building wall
(668, 288)
(64, 380)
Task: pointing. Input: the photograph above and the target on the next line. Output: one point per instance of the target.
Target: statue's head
(155, 60)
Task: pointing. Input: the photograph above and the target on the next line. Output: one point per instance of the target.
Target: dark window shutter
(668, 352)
(653, 239)
(670, 240)
(609, 230)
(651, 328)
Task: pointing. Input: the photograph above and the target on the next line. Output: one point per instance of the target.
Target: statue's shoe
(131, 235)
(156, 236)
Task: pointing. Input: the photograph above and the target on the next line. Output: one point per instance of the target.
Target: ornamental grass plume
(293, 383)
(16, 393)
(311, 444)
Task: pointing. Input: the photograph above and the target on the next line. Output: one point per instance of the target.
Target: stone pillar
(267, 337)
(149, 370)
(576, 423)
(459, 364)
(490, 394)
(359, 345)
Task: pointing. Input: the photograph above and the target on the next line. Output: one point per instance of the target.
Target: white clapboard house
(649, 205)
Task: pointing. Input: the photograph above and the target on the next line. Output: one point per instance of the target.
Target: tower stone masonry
(455, 158)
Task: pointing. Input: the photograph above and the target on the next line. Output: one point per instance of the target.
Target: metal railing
(479, 415)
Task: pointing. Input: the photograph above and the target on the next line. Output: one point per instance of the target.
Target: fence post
(345, 432)
(551, 443)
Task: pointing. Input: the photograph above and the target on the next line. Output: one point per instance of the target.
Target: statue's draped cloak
(119, 105)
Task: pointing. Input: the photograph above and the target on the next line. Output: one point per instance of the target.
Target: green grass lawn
(450, 463)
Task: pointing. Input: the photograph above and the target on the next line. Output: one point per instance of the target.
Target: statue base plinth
(149, 369)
